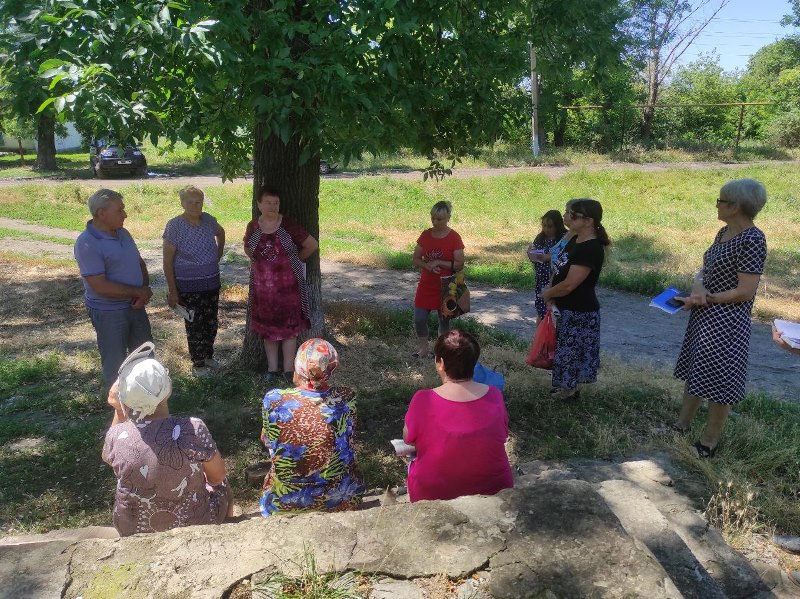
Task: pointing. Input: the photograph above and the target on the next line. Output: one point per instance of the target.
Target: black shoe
(271, 378)
(703, 451)
(288, 376)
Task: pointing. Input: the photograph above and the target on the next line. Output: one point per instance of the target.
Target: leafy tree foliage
(794, 17)
(702, 81)
(576, 58)
(23, 49)
(773, 75)
(662, 31)
(282, 80)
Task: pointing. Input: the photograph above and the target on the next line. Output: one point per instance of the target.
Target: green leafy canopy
(344, 77)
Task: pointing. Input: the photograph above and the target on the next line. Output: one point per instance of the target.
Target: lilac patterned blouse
(196, 264)
(160, 479)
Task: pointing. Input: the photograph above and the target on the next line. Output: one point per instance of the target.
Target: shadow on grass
(66, 168)
(634, 263)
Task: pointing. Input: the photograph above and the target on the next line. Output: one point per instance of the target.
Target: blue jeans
(119, 332)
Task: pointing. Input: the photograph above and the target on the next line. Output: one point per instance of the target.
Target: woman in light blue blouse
(193, 245)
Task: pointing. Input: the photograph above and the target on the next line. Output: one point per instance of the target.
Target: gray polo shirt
(117, 257)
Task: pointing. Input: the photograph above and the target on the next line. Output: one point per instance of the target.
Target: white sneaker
(212, 363)
(201, 371)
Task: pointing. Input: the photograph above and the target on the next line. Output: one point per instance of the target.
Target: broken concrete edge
(559, 535)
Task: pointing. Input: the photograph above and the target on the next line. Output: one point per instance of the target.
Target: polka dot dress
(713, 359)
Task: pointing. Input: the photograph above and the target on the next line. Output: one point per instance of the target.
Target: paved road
(629, 327)
(549, 170)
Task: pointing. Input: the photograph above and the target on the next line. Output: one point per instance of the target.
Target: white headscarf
(144, 382)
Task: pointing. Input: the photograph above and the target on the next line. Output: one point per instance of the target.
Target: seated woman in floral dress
(169, 472)
(308, 431)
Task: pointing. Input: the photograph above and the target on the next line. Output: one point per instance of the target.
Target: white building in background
(72, 141)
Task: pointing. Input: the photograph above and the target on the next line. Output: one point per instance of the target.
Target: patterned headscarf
(315, 362)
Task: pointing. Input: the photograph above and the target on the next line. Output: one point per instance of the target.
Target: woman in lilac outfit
(193, 246)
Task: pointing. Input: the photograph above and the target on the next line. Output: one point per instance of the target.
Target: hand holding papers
(403, 449)
(789, 332)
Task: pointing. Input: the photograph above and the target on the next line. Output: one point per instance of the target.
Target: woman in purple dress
(169, 472)
(279, 303)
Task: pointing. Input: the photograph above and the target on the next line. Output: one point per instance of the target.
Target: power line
(747, 20)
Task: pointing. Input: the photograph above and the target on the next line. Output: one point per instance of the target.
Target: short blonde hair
(190, 191)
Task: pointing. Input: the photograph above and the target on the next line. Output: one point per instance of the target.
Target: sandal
(678, 429)
(703, 451)
(565, 394)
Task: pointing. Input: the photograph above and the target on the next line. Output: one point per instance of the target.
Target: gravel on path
(630, 329)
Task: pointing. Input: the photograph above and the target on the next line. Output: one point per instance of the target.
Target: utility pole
(534, 102)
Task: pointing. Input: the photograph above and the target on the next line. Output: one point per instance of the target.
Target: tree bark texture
(45, 144)
(649, 111)
(277, 165)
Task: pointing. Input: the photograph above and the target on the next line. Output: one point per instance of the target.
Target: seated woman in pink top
(458, 428)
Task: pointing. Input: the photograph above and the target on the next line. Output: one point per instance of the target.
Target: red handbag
(543, 346)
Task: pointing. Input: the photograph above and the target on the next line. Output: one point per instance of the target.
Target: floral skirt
(577, 349)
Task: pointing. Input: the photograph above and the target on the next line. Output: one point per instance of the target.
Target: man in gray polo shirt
(115, 280)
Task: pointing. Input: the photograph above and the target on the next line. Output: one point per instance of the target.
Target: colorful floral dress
(309, 436)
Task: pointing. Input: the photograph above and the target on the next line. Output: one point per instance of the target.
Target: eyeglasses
(573, 214)
(723, 202)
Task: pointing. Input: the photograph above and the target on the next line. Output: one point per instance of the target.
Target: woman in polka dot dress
(713, 359)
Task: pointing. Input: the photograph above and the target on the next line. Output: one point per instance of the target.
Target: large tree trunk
(278, 165)
(648, 113)
(45, 144)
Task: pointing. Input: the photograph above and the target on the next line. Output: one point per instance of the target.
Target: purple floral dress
(278, 297)
(160, 479)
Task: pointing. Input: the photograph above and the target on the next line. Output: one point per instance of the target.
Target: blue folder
(660, 301)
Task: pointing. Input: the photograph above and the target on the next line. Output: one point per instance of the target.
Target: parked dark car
(326, 167)
(114, 159)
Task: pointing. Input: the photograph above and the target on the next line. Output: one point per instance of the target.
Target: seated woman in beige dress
(169, 472)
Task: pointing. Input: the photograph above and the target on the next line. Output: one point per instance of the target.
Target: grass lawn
(52, 419)
(660, 221)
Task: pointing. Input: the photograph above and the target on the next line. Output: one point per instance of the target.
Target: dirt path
(553, 172)
(630, 329)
